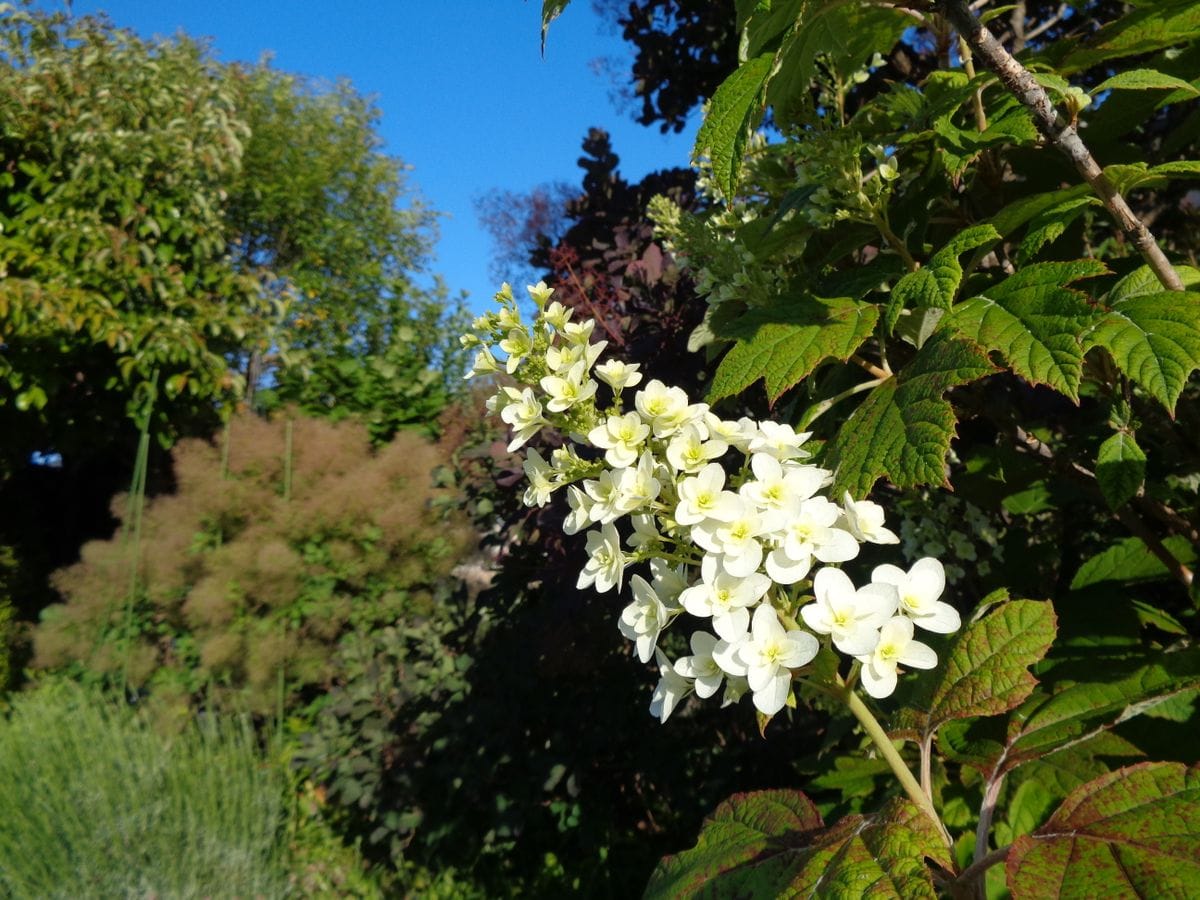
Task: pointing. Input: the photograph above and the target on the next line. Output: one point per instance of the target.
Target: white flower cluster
(727, 516)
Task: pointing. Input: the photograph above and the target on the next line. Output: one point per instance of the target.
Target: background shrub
(279, 541)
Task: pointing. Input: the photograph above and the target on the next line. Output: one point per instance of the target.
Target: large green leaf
(986, 671)
(936, 283)
(773, 844)
(902, 431)
(1142, 280)
(1152, 26)
(1144, 80)
(1120, 469)
(1155, 340)
(1130, 560)
(783, 346)
(1036, 321)
(843, 35)
(733, 111)
(1134, 832)
(1073, 712)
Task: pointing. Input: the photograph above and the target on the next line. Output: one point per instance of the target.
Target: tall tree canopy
(172, 228)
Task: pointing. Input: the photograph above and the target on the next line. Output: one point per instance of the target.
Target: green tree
(174, 232)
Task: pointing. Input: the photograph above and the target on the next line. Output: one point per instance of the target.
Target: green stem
(907, 781)
(893, 239)
(819, 409)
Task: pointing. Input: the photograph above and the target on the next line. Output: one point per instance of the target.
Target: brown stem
(1022, 85)
(990, 795)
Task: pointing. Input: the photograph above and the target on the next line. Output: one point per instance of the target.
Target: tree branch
(1022, 85)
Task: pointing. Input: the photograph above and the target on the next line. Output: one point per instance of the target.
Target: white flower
(703, 497)
(671, 688)
(562, 359)
(606, 564)
(484, 364)
(668, 582)
(645, 531)
(578, 333)
(524, 414)
(776, 486)
(700, 666)
(539, 292)
(620, 437)
(637, 485)
(852, 617)
(517, 345)
(808, 534)
(688, 450)
(644, 619)
(724, 597)
(538, 471)
(557, 315)
(895, 647)
(666, 408)
(765, 657)
(779, 440)
(737, 434)
(566, 391)
(738, 539)
(619, 375)
(864, 520)
(605, 491)
(919, 589)
(580, 516)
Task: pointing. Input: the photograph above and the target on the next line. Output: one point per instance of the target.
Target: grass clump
(95, 803)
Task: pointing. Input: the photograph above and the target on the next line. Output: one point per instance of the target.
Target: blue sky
(466, 97)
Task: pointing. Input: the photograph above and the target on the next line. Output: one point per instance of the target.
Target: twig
(977, 868)
(990, 795)
(1049, 23)
(1022, 85)
(879, 373)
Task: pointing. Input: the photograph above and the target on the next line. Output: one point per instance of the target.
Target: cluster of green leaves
(113, 241)
(904, 247)
(145, 241)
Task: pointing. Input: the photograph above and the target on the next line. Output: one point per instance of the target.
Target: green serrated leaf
(784, 346)
(1152, 615)
(551, 10)
(733, 111)
(1036, 321)
(1142, 280)
(903, 429)
(1151, 27)
(1120, 469)
(1129, 560)
(1050, 225)
(986, 671)
(1134, 832)
(772, 844)
(937, 283)
(1076, 710)
(1155, 340)
(1144, 80)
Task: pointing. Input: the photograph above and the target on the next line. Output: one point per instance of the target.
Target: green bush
(274, 548)
(95, 803)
